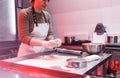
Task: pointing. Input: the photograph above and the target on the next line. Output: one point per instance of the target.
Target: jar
(110, 39)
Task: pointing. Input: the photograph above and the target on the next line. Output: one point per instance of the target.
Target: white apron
(39, 32)
(99, 38)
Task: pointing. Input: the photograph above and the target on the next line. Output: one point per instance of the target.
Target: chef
(100, 34)
(35, 29)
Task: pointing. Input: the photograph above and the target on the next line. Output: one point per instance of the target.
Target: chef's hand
(55, 43)
(52, 43)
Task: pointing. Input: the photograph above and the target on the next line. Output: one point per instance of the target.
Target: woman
(34, 28)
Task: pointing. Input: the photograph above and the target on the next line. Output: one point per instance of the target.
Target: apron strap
(46, 21)
(35, 18)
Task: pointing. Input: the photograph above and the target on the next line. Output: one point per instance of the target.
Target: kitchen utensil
(70, 52)
(93, 48)
(67, 40)
(115, 39)
(76, 63)
(110, 39)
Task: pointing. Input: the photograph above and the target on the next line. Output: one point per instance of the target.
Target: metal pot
(67, 40)
(93, 48)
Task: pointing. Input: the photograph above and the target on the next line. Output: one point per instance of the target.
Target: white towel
(92, 58)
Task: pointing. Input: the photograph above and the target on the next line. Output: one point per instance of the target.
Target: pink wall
(79, 17)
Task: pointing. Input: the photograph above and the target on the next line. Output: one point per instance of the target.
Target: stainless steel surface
(8, 23)
(10, 74)
(70, 52)
(58, 62)
(93, 47)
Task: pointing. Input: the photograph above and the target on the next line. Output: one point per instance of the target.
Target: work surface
(52, 63)
(58, 62)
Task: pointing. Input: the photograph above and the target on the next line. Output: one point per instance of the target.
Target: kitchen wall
(79, 17)
(8, 33)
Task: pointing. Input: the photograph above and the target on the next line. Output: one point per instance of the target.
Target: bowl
(93, 48)
(76, 63)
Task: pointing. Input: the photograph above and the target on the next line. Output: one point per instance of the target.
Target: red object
(37, 72)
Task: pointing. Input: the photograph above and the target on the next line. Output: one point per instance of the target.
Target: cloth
(91, 58)
(99, 38)
(26, 24)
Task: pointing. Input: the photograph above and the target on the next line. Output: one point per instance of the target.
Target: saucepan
(93, 48)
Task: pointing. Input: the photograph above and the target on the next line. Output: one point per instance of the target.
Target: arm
(24, 30)
(50, 35)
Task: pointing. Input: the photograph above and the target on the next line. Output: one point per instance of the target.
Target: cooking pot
(93, 48)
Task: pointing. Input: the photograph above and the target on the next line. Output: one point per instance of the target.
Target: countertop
(35, 72)
(51, 73)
